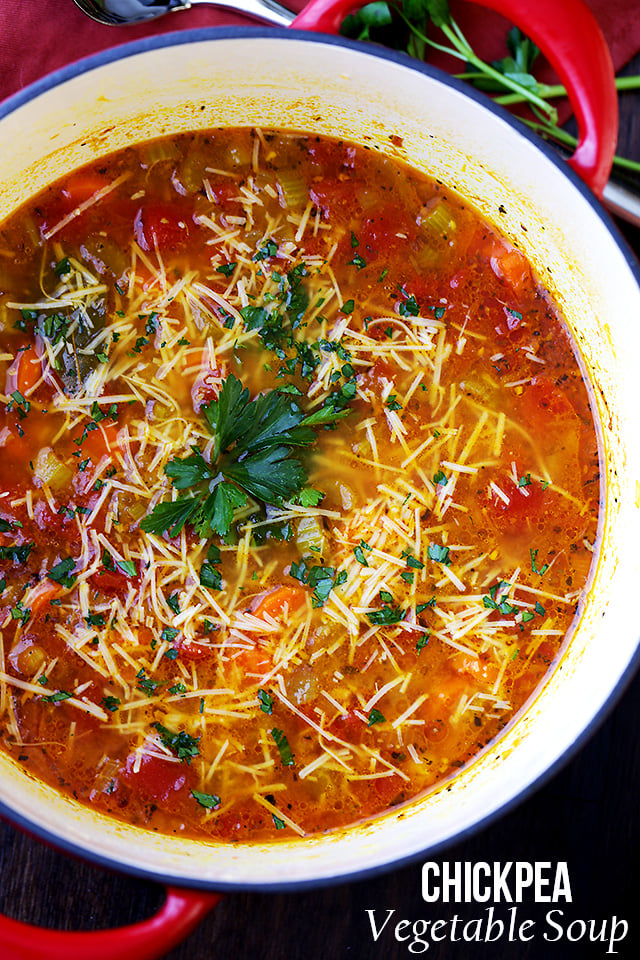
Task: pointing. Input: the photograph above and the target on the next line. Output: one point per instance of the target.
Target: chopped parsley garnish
(128, 567)
(392, 403)
(375, 717)
(58, 696)
(320, 578)
(422, 642)
(412, 561)
(183, 745)
(254, 454)
(284, 749)
(269, 249)
(226, 269)
(110, 703)
(210, 577)
(169, 634)
(145, 683)
(96, 620)
(18, 554)
(173, 603)
(525, 481)
(543, 569)
(358, 553)
(440, 554)
(21, 613)
(62, 267)
(61, 572)
(208, 800)
(266, 701)
(390, 613)
(409, 307)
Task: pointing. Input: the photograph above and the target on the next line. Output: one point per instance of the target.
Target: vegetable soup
(299, 484)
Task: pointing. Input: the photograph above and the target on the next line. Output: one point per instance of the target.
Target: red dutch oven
(307, 78)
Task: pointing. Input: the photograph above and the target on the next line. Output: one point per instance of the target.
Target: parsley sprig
(408, 25)
(254, 454)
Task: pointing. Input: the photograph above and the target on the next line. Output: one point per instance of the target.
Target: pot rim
(212, 34)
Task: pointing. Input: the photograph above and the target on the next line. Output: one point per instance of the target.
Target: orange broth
(337, 652)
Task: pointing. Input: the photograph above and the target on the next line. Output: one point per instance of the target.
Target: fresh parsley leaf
(286, 756)
(110, 703)
(387, 616)
(58, 696)
(183, 745)
(266, 701)
(60, 572)
(208, 800)
(253, 453)
(440, 554)
(375, 717)
(19, 554)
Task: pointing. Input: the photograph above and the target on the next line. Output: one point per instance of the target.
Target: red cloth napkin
(37, 36)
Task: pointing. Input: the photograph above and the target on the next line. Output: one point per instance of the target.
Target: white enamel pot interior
(274, 78)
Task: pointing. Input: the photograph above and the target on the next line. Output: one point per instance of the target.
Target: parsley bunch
(254, 453)
(407, 25)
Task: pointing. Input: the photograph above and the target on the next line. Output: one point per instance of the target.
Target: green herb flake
(58, 696)
(208, 800)
(358, 553)
(286, 756)
(226, 269)
(110, 703)
(266, 701)
(422, 642)
(375, 717)
(440, 554)
(183, 745)
(61, 572)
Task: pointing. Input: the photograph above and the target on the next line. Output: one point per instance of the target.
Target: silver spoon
(124, 12)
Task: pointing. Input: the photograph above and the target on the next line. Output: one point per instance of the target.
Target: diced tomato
(163, 226)
(332, 155)
(481, 668)
(110, 581)
(281, 602)
(83, 185)
(379, 793)
(544, 404)
(192, 650)
(348, 727)
(101, 442)
(384, 233)
(336, 197)
(28, 370)
(62, 524)
(224, 190)
(159, 780)
(525, 505)
(255, 661)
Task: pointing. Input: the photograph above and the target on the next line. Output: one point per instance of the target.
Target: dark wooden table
(587, 815)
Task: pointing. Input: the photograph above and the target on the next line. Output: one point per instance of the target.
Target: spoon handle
(268, 10)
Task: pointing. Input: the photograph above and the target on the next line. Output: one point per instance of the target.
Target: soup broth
(298, 487)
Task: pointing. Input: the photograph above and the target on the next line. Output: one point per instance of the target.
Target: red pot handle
(569, 36)
(178, 916)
